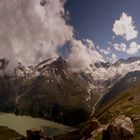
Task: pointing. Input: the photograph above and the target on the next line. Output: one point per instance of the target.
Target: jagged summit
(57, 68)
(102, 64)
(126, 61)
(117, 63)
(106, 71)
(60, 63)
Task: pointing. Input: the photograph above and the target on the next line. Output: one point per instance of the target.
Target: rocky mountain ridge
(103, 75)
(41, 90)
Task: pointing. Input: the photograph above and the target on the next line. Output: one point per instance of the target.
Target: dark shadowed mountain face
(52, 90)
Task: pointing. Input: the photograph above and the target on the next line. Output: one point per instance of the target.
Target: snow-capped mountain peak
(105, 71)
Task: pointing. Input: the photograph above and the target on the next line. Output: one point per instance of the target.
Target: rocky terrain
(53, 90)
(42, 90)
(116, 115)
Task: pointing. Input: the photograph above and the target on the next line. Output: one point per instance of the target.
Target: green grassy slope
(9, 134)
(127, 103)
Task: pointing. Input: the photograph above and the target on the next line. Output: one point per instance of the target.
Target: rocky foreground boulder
(36, 134)
(136, 118)
(83, 133)
(121, 128)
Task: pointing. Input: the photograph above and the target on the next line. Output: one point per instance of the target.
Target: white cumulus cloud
(134, 48)
(83, 55)
(105, 51)
(125, 27)
(120, 47)
(31, 32)
(113, 58)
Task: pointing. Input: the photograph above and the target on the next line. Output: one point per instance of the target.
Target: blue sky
(97, 30)
(94, 19)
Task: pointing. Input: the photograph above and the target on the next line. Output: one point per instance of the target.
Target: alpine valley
(53, 90)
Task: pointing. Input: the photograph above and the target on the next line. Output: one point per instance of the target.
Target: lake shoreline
(22, 123)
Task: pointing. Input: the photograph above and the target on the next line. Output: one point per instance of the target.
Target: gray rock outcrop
(120, 128)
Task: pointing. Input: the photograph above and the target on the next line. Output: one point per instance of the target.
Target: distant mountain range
(52, 90)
